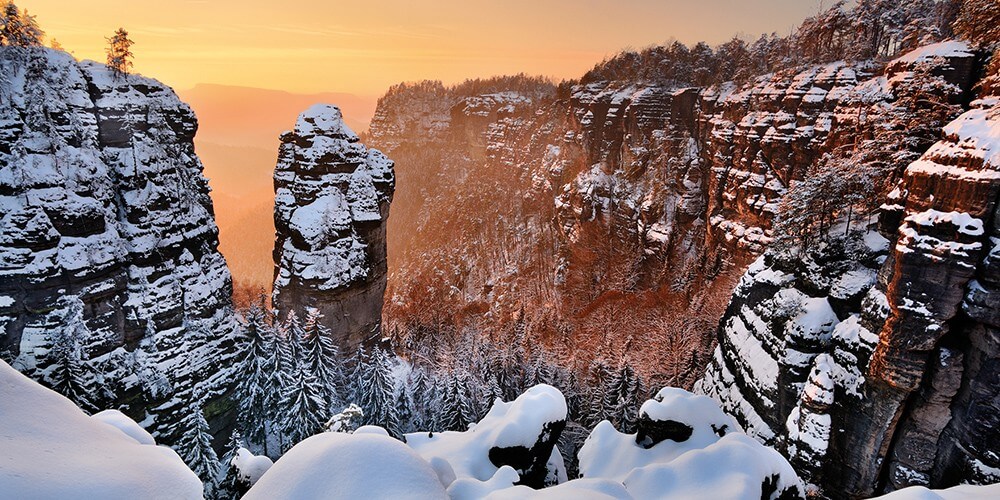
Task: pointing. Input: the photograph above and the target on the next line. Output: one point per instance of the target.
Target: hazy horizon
(312, 47)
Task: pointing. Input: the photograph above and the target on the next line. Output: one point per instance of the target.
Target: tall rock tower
(331, 204)
(108, 244)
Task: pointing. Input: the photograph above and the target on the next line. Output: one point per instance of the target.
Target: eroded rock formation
(332, 198)
(111, 287)
(880, 372)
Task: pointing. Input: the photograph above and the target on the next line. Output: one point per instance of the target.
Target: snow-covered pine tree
(292, 341)
(255, 377)
(68, 373)
(303, 407)
(377, 391)
(18, 28)
(420, 388)
(355, 381)
(405, 413)
(195, 446)
(491, 392)
(228, 475)
(454, 412)
(598, 376)
(622, 398)
(323, 358)
(471, 388)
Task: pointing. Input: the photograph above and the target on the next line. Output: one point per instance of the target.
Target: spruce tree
(69, 374)
(119, 53)
(195, 446)
(622, 398)
(254, 378)
(404, 410)
(228, 478)
(18, 28)
(303, 406)
(376, 397)
(323, 358)
(355, 381)
(455, 413)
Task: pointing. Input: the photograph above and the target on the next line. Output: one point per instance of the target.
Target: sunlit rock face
(332, 198)
(878, 370)
(108, 241)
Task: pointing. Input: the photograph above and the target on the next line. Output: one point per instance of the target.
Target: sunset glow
(364, 47)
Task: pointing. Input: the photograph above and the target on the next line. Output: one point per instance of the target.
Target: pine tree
(228, 478)
(491, 392)
(455, 413)
(195, 446)
(323, 358)
(376, 397)
(404, 410)
(254, 378)
(596, 410)
(355, 381)
(622, 397)
(18, 28)
(119, 53)
(303, 407)
(421, 389)
(69, 374)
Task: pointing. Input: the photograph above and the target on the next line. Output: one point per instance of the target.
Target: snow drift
(51, 449)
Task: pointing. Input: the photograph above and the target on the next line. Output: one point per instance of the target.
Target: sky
(364, 46)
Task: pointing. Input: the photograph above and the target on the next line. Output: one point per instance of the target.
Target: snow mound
(335, 465)
(734, 467)
(697, 422)
(251, 467)
(51, 449)
(131, 429)
(963, 492)
(523, 423)
(686, 447)
(501, 487)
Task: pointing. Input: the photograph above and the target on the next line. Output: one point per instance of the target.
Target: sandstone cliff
(587, 213)
(875, 368)
(111, 288)
(332, 198)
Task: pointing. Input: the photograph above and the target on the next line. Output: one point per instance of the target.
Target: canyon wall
(111, 287)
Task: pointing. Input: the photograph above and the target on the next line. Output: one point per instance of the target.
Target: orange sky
(362, 47)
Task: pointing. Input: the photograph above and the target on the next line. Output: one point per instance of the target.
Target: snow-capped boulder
(332, 198)
(51, 449)
(335, 465)
(520, 434)
(109, 269)
(679, 434)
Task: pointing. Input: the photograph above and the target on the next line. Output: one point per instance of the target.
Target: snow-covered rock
(334, 465)
(332, 198)
(685, 448)
(520, 434)
(108, 260)
(51, 449)
(884, 364)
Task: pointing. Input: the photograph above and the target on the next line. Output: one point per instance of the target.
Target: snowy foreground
(686, 448)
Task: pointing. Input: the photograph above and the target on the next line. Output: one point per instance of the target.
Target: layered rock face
(332, 198)
(624, 196)
(876, 369)
(111, 286)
